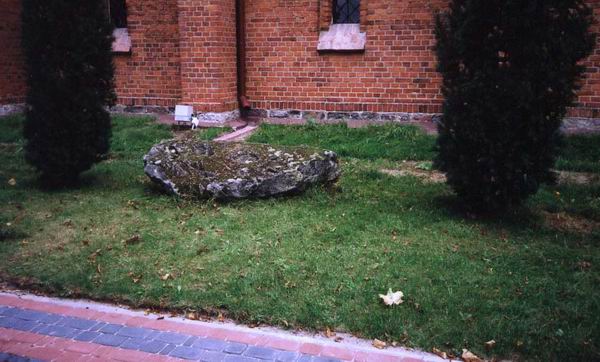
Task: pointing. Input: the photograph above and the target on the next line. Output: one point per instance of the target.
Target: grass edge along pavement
(319, 260)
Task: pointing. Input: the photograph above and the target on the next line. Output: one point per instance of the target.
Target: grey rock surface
(198, 169)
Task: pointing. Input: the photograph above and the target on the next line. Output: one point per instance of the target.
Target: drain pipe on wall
(240, 23)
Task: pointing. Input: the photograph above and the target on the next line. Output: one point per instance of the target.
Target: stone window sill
(122, 42)
(342, 38)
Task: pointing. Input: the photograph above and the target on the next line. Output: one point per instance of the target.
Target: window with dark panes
(346, 11)
(117, 13)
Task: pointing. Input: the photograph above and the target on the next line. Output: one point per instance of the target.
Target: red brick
(311, 348)
(243, 337)
(343, 354)
(71, 356)
(84, 348)
(285, 344)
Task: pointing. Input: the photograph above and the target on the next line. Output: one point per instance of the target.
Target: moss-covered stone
(196, 169)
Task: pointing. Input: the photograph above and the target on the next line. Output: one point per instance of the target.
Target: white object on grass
(195, 122)
(392, 298)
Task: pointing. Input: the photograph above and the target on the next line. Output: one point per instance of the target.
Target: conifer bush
(510, 70)
(67, 47)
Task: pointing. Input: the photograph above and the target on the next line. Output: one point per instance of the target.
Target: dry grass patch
(570, 223)
(421, 170)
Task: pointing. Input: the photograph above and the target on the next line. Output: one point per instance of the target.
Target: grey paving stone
(235, 348)
(261, 353)
(324, 359)
(153, 333)
(9, 357)
(110, 340)
(19, 324)
(305, 358)
(153, 346)
(3, 310)
(97, 326)
(59, 331)
(78, 323)
(110, 328)
(211, 356)
(51, 319)
(168, 348)
(87, 336)
(10, 311)
(185, 353)
(38, 328)
(30, 315)
(133, 332)
(133, 343)
(173, 338)
(15, 358)
(5, 321)
(190, 341)
(210, 344)
(235, 358)
(287, 356)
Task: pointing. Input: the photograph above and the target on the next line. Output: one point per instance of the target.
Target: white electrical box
(183, 113)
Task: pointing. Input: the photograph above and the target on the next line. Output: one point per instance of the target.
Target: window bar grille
(346, 11)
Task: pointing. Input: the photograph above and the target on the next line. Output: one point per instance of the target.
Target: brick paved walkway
(43, 329)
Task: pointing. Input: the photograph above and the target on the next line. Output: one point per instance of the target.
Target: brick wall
(183, 51)
(588, 103)
(208, 53)
(396, 73)
(12, 81)
(150, 75)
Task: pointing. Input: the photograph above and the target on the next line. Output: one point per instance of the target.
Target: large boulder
(200, 169)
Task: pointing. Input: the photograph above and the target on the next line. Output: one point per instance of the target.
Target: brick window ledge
(122, 42)
(342, 38)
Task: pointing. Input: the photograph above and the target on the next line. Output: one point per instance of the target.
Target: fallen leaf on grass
(94, 255)
(468, 356)
(166, 276)
(192, 316)
(439, 353)
(133, 240)
(329, 333)
(392, 298)
(490, 344)
(135, 278)
(379, 344)
(584, 265)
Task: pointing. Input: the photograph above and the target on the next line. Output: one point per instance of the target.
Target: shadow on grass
(518, 222)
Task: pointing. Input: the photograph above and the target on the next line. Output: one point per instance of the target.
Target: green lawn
(529, 280)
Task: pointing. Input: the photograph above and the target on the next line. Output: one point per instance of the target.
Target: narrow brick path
(43, 329)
